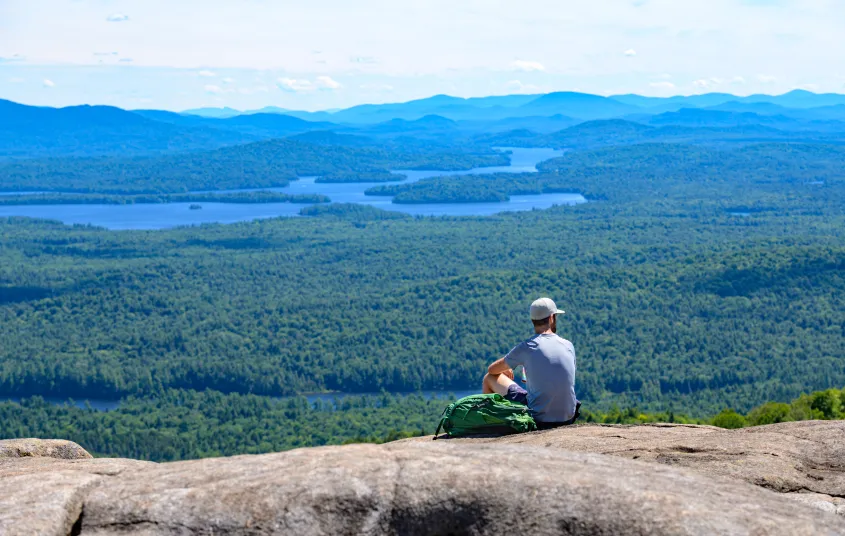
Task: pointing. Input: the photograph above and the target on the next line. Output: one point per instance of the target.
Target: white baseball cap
(544, 308)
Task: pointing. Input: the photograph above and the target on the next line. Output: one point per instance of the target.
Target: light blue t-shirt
(549, 363)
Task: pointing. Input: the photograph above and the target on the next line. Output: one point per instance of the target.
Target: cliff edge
(581, 480)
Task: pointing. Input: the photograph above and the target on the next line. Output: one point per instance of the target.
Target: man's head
(543, 312)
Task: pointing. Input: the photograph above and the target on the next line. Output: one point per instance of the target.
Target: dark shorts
(520, 396)
(517, 394)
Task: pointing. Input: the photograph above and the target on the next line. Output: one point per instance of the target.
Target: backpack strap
(439, 426)
(577, 413)
(552, 425)
(442, 418)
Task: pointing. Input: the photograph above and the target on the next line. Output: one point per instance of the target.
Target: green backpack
(485, 414)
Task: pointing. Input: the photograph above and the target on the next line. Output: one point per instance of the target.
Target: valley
(705, 271)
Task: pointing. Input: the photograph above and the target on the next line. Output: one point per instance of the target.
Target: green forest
(257, 165)
(623, 173)
(697, 278)
(177, 425)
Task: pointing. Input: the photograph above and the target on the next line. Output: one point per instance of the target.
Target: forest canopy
(696, 279)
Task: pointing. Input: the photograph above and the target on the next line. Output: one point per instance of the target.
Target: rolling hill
(30, 131)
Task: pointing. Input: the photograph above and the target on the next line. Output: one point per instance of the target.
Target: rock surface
(44, 496)
(532, 484)
(791, 458)
(42, 448)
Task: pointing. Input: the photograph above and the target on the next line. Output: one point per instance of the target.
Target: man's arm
(500, 367)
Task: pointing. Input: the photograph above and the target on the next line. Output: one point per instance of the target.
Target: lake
(162, 216)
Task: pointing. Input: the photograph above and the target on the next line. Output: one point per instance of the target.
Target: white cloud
(705, 83)
(363, 59)
(292, 84)
(253, 90)
(216, 90)
(327, 82)
(16, 80)
(589, 41)
(125, 60)
(664, 86)
(523, 65)
(228, 80)
(630, 52)
(117, 17)
(767, 79)
(516, 86)
(301, 85)
(207, 74)
(49, 83)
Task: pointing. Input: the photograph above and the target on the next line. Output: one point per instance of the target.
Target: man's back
(549, 362)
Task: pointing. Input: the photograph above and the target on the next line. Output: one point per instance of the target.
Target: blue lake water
(162, 216)
(99, 405)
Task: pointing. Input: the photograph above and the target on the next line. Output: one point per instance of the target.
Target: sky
(329, 54)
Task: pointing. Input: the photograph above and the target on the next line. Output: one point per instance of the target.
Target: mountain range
(29, 131)
(581, 106)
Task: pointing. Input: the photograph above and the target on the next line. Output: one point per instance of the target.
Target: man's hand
(509, 373)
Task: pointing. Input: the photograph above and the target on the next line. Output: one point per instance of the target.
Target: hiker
(549, 363)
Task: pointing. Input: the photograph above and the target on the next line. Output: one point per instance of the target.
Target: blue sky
(323, 54)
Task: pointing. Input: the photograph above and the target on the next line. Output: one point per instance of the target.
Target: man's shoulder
(564, 342)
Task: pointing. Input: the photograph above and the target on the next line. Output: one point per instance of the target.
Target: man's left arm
(500, 366)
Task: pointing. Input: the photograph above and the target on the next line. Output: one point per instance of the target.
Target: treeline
(102, 199)
(494, 188)
(354, 212)
(178, 425)
(256, 165)
(375, 176)
(672, 301)
(619, 132)
(646, 170)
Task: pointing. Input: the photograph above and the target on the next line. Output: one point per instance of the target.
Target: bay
(163, 216)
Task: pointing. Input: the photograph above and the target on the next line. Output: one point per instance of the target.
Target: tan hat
(544, 308)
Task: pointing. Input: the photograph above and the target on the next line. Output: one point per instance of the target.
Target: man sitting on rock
(549, 363)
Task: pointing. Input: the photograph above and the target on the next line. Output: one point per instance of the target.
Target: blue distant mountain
(531, 123)
(16, 115)
(759, 108)
(269, 125)
(665, 104)
(427, 126)
(30, 131)
(216, 113)
(27, 131)
(261, 125)
(579, 105)
(696, 117)
(799, 99)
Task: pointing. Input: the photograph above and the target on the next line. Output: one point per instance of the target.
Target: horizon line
(538, 95)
